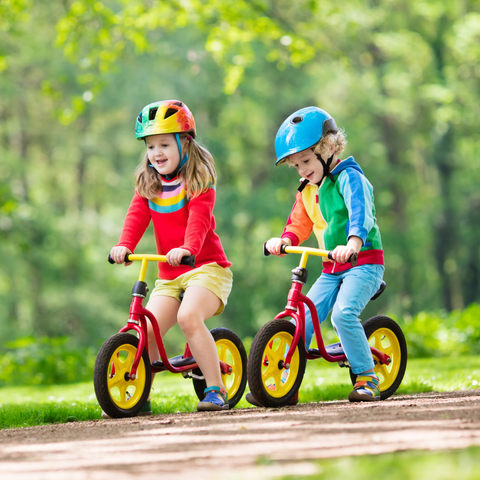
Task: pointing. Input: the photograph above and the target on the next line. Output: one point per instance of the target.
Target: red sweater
(178, 223)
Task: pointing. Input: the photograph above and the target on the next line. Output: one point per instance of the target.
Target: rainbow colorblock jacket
(335, 211)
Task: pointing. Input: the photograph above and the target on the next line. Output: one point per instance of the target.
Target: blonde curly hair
(323, 146)
(198, 173)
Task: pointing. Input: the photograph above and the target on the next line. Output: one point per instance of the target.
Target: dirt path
(255, 443)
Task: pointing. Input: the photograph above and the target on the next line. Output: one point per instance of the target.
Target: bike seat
(383, 286)
(333, 350)
(178, 361)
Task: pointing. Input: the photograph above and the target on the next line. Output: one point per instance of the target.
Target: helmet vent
(139, 119)
(178, 104)
(152, 113)
(170, 112)
(297, 119)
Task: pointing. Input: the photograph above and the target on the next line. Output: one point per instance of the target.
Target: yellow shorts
(211, 276)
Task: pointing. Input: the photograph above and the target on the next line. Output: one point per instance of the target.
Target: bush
(442, 334)
(45, 361)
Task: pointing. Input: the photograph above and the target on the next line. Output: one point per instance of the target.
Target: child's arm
(135, 224)
(299, 225)
(358, 196)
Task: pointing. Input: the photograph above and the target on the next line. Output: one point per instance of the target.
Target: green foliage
(29, 415)
(400, 76)
(452, 334)
(45, 361)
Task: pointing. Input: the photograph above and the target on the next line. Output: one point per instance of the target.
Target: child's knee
(188, 321)
(343, 317)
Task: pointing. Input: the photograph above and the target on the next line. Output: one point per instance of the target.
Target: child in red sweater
(175, 188)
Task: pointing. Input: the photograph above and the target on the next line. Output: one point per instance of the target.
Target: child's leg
(358, 286)
(198, 305)
(323, 294)
(165, 310)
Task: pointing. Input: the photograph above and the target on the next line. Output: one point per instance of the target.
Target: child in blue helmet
(335, 201)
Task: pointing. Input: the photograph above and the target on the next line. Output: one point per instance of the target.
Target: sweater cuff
(359, 232)
(293, 238)
(190, 249)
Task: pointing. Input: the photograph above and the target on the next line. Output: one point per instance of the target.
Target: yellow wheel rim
(386, 341)
(278, 381)
(125, 393)
(229, 353)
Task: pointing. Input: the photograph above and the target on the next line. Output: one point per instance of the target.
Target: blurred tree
(400, 77)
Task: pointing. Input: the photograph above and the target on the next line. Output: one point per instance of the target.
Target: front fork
(137, 322)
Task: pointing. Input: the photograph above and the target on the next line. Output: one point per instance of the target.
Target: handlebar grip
(188, 260)
(267, 253)
(353, 259)
(112, 261)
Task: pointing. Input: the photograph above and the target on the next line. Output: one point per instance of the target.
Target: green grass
(28, 406)
(413, 465)
(326, 381)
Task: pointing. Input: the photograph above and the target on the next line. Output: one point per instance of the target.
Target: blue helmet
(301, 130)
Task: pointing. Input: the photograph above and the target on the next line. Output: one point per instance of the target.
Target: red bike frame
(137, 321)
(295, 309)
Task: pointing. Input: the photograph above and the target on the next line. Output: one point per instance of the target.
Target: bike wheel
(270, 383)
(230, 350)
(118, 395)
(386, 335)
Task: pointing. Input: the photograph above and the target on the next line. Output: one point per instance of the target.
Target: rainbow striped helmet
(166, 116)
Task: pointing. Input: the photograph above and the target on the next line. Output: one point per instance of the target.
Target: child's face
(308, 165)
(162, 151)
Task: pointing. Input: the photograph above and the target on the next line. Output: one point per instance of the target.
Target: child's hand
(118, 254)
(175, 255)
(342, 253)
(273, 245)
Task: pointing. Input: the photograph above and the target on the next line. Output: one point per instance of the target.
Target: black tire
(231, 351)
(118, 395)
(271, 343)
(386, 335)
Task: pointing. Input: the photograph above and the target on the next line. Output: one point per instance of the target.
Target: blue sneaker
(216, 398)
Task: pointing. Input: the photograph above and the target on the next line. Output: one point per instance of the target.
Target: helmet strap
(326, 167)
(183, 161)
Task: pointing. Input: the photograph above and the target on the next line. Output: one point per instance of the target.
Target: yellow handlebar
(306, 251)
(145, 258)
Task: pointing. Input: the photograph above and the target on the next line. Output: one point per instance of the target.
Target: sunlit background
(400, 76)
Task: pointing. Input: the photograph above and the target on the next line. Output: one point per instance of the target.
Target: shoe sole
(355, 397)
(210, 407)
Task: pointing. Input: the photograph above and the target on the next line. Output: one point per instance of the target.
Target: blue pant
(347, 293)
